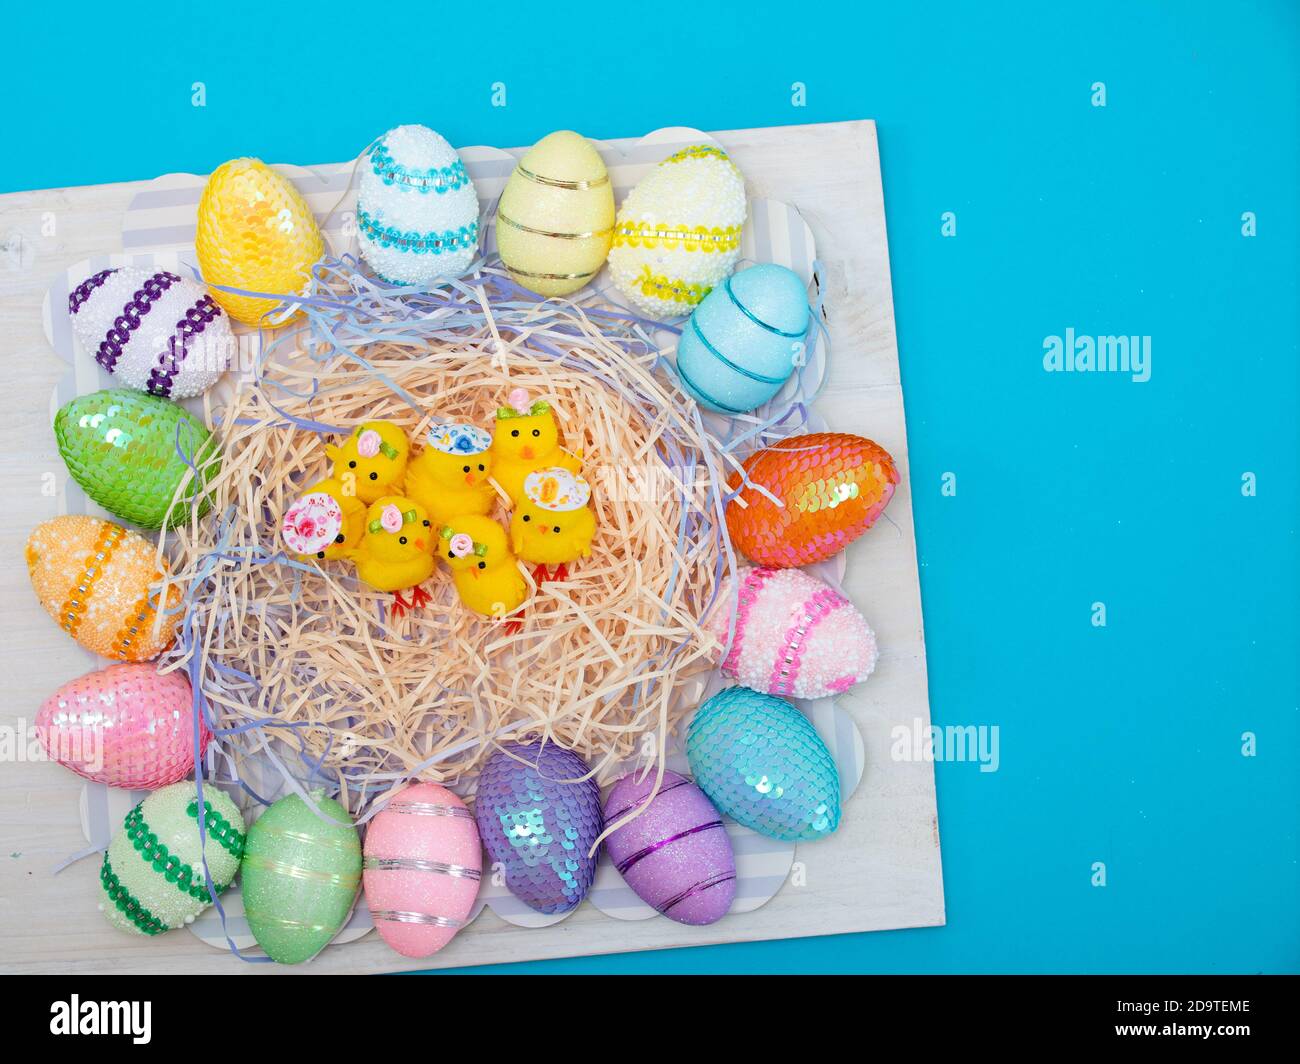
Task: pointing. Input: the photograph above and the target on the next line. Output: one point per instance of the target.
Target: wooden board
(880, 870)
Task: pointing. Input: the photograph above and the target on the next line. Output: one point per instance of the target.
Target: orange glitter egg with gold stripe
(833, 486)
(95, 579)
(255, 232)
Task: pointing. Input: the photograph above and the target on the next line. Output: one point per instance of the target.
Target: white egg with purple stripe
(154, 330)
(417, 211)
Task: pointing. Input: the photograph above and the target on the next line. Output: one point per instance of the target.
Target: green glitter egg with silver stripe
(301, 874)
(152, 875)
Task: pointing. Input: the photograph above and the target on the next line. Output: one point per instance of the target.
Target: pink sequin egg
(423, 863)
(796, 637)
(126, 726)
(676, 854)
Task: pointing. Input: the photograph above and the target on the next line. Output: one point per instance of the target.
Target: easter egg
(417, 211)
(539, 819)
(153, 330)
(744, 339)
(423, 863)
(131, 452)
(795, 636)
(152, 875)
(125, 726)
(832, 485)
(677, 234)
(556, 216)
(255, 233)
(301, 872)
(761, 762)
(675, 854)
(95, 578)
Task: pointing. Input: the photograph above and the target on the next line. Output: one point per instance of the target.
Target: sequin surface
(96, 579)
(152, 874)
(795, 636)
(125, 726)
(423, 867)
(538, 824)
(256, 233)
(128, 452)
(300, 875)
(761, 762)
(833, 486)
(676, 854)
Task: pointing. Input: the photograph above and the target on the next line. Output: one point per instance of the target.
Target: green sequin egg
(152, 875)
(128, 451)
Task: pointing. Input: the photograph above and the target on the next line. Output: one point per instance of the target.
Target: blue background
(1120, 744)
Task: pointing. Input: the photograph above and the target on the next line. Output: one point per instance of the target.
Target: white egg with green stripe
(152, 876)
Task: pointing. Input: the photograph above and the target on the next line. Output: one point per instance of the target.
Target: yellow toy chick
(396, 551)
(450, 476)
(324, 522)
(526, 439)
(372, 460)
(486, 575)
(553, 525)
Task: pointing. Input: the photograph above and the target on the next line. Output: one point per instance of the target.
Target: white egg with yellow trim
(556, 216)
(678, 232)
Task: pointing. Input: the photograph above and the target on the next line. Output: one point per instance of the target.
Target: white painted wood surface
(880, 870)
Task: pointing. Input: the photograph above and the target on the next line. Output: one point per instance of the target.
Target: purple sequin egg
(676, 854)
(538, 824)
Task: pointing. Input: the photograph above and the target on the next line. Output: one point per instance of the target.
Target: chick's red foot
(540, 575)
(513, 625)
(561, 572)
(400, 605)
(419, 597)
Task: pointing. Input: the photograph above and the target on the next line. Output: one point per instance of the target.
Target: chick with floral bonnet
(525, 439)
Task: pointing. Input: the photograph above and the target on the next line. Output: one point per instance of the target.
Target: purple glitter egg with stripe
(676, 854)
(539, 824)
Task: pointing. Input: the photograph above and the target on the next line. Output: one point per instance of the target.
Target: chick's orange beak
(469, 479)
(542, 529)
(527, 452)
(419, 544)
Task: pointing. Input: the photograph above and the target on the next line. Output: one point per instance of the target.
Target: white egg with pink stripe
(796, 636)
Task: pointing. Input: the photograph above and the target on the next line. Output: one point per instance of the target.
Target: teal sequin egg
(761, 762)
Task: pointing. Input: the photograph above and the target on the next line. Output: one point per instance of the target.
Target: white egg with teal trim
(677, 234)
(417, 211)
(745, 339)
(152, 876)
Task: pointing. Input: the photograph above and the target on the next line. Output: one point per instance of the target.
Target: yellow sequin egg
(95, 579)
(678, 232)
(255, 232)
(556, 215)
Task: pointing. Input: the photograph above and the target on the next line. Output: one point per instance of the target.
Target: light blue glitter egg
(761, 762)
(744, 339)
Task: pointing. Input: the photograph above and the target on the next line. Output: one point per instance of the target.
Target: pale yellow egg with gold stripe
(678, 232)
(556, 216)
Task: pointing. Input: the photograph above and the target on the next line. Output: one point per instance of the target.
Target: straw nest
(300, 660)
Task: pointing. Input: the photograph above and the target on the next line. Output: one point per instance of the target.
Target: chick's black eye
(352, 465)
(320, 554)
(555, 528)
(467, 469)
(482, 565)
(401, 539)
(481, 468)
(426, 524)
(527, 518)
(537, 432)
(339, 538)
(374, 476)
(451, 556)
(514, 432)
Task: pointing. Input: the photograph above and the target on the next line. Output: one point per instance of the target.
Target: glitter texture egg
(675, 854)
(423, 864)
(795, 636)
(417, 211)
(96, 580)
(540, 824)
(761, 762)
(152, 876)
(256, 233)
(129, 453)
(833, 486)
(153, 330)
(677, 234)
(556, 216)
(300, 876)
(125, 726)
(744, 339)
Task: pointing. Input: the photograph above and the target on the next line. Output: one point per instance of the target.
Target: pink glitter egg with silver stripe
(125, 726)
(796, 637)
(675, 855)
(423, 865)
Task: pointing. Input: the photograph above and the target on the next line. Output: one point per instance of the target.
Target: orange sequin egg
(255, 232)
(94, 578)
(833, 486)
